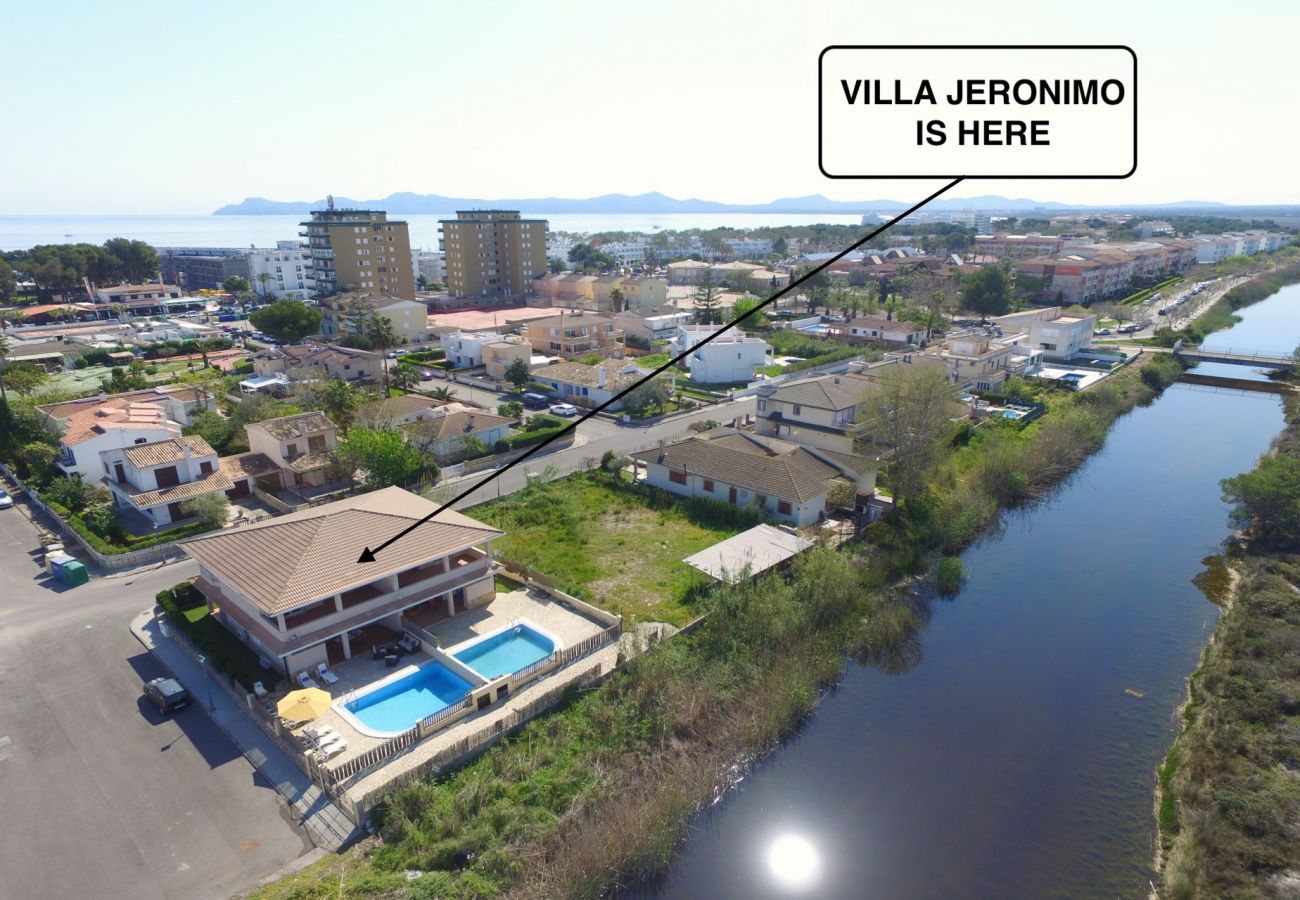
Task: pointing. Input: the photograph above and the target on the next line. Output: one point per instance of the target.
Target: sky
(177, 108)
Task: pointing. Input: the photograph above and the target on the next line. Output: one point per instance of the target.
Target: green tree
(213, 427)
(338, 399)
(6, 347)
(263, 279)
(287, 320)
(383, 458)
(121, 380)
(587, 258)
(987, 292)
(38, 458)
(908, 412)
(405, 379)
(555, 264)
(137, 261)
(8, 284)
(24, 378)
(511, 409)
(708, 303)
(382, 338)
(745, 307)
(210, 509)
(518, 373)
(236, 284)
(1268, 497)
(642, 398)
(616, 300)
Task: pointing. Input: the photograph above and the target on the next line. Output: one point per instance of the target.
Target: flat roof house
(1058, 335)
(156, 478)
(291, 587)
(730, 358)
(786, 481)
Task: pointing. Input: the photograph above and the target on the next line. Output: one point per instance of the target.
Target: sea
(21, 232)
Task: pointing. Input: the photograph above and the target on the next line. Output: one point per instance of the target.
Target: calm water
(21, 232)
(507, 652)
(1009, 761)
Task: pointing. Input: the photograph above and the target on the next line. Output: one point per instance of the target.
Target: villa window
(783, 507)
(762, 406)
(798, 410)
(708, 485)
(676, 477)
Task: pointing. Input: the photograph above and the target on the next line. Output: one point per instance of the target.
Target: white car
(5, 500)
(564, 409)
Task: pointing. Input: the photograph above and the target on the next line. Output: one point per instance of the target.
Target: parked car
(564, 409)
(426, 374)
(1100, 331)
(536, 401)
(167, 694)
(5, 500)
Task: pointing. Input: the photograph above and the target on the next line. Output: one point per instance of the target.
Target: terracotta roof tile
(159, 453)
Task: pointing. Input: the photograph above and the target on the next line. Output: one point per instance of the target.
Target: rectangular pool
(398, 705)
(506, 652)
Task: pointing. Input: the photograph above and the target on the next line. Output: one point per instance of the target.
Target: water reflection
(794, 863)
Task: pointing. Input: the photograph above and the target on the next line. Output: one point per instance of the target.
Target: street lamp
(207, 676)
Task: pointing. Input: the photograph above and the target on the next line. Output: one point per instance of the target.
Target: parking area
(103, 796)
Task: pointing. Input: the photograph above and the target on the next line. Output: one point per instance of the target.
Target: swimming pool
(396, 706)
(507, 651)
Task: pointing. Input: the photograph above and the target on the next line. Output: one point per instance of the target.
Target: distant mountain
(655, 202)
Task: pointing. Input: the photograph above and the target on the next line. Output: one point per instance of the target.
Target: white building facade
(287, 269)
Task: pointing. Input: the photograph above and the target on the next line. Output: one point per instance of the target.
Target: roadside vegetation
(1229, 798)
(1223, 313)
(597, 795)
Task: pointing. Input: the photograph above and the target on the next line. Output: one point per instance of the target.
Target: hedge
(101, 545)
(529, 438)
(223, 650)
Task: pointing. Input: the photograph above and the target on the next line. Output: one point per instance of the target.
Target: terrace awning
(748, 554)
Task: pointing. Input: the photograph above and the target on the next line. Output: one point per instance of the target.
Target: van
(536, 401)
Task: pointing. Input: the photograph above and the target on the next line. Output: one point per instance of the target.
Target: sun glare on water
(794, 862)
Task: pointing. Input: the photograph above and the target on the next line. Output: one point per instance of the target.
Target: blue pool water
(1011, 414)
(399, 705)
(507, 652)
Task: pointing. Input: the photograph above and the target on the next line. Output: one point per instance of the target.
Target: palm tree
(382, 339)
(262, 279)
(6, 347)
(404, 379)
(442, 393)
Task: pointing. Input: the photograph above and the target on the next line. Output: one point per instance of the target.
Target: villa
(291, 588)
(300, 445)
(157, 478)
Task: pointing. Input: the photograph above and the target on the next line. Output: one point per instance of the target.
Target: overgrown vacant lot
(613, 544)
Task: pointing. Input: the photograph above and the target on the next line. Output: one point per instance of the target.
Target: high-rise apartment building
(493, 254)
(359, 250)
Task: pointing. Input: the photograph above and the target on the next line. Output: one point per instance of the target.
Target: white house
(885, 331)
(651, 325)
(1058, 335)
(287, 271)
(788, 482)
(113, 424)
(465, 348)
(588, 386)
(158, 477)
(729, 358)
(443, 431)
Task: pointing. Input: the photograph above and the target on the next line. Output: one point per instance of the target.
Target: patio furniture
(378, 652)
(306, 680)
(329, 751)
(304, 705)
(324, 672)
(326, 735)
(260, 690)
(390, 661)
(409, 644)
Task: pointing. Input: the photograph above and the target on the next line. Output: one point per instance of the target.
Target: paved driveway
(102, 797)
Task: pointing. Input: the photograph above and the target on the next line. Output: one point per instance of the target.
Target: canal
(1015, 757)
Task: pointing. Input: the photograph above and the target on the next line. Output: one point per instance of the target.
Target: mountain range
(406, 202)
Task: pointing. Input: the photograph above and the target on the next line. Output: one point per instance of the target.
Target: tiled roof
(88, 423)
(286, 428)
(308, 462)
(765, 466)
(825, 391)
(149, 395)
(159, 453)
(457, 420)
(395, 407)
(246, 464)
(213, 481)
(308, 555)
(581, 374)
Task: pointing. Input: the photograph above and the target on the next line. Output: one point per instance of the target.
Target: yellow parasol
(303, 705)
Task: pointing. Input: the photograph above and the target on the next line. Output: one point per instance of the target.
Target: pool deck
(560, 622)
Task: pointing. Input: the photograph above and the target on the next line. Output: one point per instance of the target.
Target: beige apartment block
(493, 255)
(359, 250)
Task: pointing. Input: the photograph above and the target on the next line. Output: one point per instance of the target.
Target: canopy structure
(303, 705)
(748, 554)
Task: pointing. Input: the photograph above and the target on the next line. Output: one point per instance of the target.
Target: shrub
(949, 576)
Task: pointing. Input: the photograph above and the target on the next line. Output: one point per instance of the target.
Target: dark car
(536, 401)
(167, 694)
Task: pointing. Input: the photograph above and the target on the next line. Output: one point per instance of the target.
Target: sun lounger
(306, 680)
(319, 733)
(332, 749)
(324, 672)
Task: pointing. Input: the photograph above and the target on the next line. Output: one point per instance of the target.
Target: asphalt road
(103, 797)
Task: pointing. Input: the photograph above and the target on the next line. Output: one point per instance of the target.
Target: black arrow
(368, 555)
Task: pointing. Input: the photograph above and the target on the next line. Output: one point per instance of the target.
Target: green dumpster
(73, 573)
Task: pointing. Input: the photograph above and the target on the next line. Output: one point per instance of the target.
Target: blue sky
(143, 107)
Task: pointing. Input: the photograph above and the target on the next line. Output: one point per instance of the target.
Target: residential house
(652, 323)
(813, 412)
(687, 271)
(305, 362)
(1060, 336)
(445, 430)
(575, 334)
(499, 355)
(300, 445)
(464, 349)
(788, 482)
(874, 329)
(644, 292)
(729, 358)
(976, 361)
(130, 293)
(409, 318)
(112, 424)
(588, 386)
(156, 478)
(393, 412)
(291, 587)
(178, 403)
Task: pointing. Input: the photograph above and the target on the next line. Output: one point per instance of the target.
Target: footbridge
(1256, 359)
